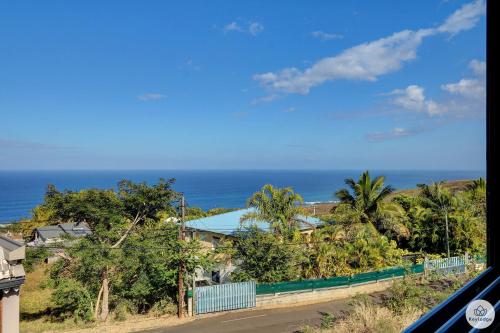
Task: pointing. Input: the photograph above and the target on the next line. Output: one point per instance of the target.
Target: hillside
(452, 185)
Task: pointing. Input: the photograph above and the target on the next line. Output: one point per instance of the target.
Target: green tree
(326, 254)
(264, 258)
(148, 268)
(364, 202)
(477, 185)
(476, 196)
(279, 207)
(441, 202)
(112, 217)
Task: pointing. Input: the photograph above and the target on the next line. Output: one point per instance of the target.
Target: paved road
(261, 321)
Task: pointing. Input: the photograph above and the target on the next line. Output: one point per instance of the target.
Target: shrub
(34, 256)
(123, 309)
(72, 299)
(405, 295)
(327, 321)
(164, 307)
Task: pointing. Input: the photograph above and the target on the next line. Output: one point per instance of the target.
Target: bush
(123, 309)
(327, 321)
(72, 299)
(406, 295)
(163, 307)
(265, 258)
(35, 256)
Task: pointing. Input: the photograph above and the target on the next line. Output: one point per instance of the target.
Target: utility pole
(193, 298)
(447, 233)
(181, 261)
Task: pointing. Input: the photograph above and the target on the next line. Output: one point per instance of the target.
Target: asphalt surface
(262, 321)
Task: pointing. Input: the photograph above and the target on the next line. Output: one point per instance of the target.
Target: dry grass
(369, 318)
(36, 305)
(132, 324)
(393, 310)
(35, 297)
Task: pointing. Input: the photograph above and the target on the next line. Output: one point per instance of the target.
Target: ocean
(20, 191)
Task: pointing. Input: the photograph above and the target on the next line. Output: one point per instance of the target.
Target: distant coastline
(20, 192)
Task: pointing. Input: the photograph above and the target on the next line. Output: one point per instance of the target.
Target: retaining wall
(319, 295)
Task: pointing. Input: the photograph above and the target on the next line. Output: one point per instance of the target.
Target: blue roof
(229, 223)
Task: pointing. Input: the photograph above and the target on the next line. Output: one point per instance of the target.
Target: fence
(338, 281)
(233, 296)
(447, 265)
(224, 297)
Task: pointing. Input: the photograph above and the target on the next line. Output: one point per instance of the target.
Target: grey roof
(12, 250)
(57, 231)
(9, 244)
(50, 231)
(76, 230)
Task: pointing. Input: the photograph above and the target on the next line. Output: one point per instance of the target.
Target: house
(57, 233)
(11, 278)
(211, 230)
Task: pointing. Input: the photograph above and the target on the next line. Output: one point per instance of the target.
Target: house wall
(208, 240)
(9, 315)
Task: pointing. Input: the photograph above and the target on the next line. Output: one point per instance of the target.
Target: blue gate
(224, 297)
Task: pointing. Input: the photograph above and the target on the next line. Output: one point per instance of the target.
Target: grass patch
(36, 308)
(36, 293)
(35, 303)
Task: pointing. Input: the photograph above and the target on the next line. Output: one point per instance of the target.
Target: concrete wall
(9, 312)
(319, 295)
(208, 241)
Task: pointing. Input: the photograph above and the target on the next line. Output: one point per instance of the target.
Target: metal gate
(224, 297)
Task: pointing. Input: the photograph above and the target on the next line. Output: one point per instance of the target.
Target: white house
(11, 278)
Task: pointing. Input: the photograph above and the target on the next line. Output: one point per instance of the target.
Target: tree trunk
(447, 234)
(105, 296)
(127, 232)
(96, 311)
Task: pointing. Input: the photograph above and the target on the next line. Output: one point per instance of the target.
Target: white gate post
(426, 265)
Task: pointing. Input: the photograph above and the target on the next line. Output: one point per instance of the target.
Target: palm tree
(477, 185)
(277, 206)
(440, 201)
(366, 200)
(477, 192)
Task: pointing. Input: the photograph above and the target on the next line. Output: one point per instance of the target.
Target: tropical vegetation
(130, 263)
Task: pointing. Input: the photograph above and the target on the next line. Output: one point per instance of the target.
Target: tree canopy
(131, 250)
(279, 207)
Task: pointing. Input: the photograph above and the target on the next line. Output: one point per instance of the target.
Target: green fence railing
(337, 281)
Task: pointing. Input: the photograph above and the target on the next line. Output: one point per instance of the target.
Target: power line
(125, 247)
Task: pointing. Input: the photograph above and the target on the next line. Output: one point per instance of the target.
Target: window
(216, 276)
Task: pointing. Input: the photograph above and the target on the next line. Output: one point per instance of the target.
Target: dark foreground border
(449, 316)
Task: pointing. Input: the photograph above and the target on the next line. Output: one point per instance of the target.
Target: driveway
(287, 320)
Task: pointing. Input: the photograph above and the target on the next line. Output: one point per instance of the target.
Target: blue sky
(234, 85)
